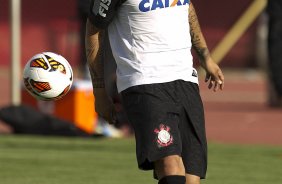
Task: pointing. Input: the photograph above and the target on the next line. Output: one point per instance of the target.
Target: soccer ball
(47, 76)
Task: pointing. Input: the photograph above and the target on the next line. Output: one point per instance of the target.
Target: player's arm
(100, 15)
(93, 41)
(214, 74)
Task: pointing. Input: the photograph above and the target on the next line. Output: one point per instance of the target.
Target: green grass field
(54, 160)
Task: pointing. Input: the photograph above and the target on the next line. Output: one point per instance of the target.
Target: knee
(170, 165)
(192, 179)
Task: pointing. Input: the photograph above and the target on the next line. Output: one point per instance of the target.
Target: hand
(214, 75)
(104, 105)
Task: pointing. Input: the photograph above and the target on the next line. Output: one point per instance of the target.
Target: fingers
(221, 78)
(212, 82)
(113, 117)
(215, 85)
(108, 113)
(208, 76)
(216, 82)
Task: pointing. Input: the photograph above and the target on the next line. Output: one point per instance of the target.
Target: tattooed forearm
(93, 40)
(197, 38)
(194, 27)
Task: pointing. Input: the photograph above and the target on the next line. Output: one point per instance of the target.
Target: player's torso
(155, 25)
(151, 41)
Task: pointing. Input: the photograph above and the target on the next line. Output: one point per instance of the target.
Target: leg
(170, 170)
(170, 165)
(192, 179)
(156, 126)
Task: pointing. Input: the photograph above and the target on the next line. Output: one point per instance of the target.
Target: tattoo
(197, 38)
(94, 51)
(195, 31)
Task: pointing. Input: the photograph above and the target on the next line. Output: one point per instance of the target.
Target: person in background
(83, 10)
(274, 11)
(151, 43)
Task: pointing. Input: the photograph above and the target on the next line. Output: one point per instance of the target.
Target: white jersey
(151, 42)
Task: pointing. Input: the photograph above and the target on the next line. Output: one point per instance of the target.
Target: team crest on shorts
(164, 137)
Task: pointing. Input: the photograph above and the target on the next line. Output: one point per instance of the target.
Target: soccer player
(151, 43)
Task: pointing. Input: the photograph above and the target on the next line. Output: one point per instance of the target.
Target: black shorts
(168, 119)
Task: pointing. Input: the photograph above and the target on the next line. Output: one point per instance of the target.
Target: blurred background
(246, 112)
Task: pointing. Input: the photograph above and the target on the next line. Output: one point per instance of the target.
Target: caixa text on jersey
(149, 5)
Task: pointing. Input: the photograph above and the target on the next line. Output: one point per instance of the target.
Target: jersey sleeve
(102, 12)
